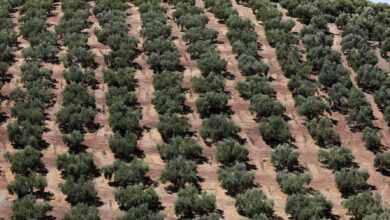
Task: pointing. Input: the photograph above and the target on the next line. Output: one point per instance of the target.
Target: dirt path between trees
(97, 141)
(6, 175)
(323, 179)
(150, 118)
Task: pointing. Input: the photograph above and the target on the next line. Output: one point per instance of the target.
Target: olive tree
(172, 125)
(363, 204)
(79, 191)
(336, 158)
(293, 183)
(25, 161)
(82, 211)
(264, 106)
(179, 172)
(230, 151)
(124, 174)
(211, 63)
(192, 204)
(274, 130)
(253, 203)
(125, 146)
(180, 146)
(29, 208)
(284, 157)
(372, 141)
(135, 196)
(218, 127)
(322, 132)
(24, 185)
(382, 162)
(351, 181)
(235, 179)
(211, 103)
(76, 165)
(307, 206)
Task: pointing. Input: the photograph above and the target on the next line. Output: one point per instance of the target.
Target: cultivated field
(194, 109)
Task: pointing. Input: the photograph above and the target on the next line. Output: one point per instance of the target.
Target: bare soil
(259, 152)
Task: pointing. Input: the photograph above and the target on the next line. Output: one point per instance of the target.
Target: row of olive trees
(78, 112)
(211, 104)
(8, 41)
(334, 79)
(301, 203)
(133, 193)
(30, 100)
(179, 150)
(250, 201)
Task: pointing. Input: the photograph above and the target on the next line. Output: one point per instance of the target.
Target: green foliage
(76, 165)
(218, 127)
(372, 141)
(284, 157)
(185, 147)
(79, 191)
(166, 80)
(28, 208)
(166, 61)
(75, 74)
(235, 179)
(274, 130)
(197, 34)
(382, 162)
(190, 204)
(293, 183)
(359, 111)
(264, 106)
(136, 196)
(250, 66)
(74, 139)
(179, 172)
(312, 107)
(198, 48)
(172, 125)
(142, 213)
(211, 103)
(230, 151)
(322, 132)
(124, 119)
(125, 146)
(307, 206)
(253, 203)
(82, 211)
(370, 78)
(25, 161)
(351, 181)
(336, 158)
(169, 100)
(123, 174)
(362, 56)
(211, 63)
(363, 204)
(254, 85)
(210, 83)
(385, 47)
(23, 134)
(24, 185)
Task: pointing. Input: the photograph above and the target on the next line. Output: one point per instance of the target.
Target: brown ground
(260, 153)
